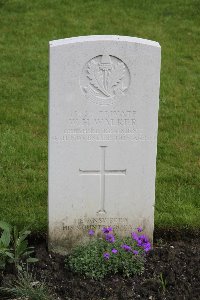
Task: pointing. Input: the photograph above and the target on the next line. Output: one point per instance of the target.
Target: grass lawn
(25, 29)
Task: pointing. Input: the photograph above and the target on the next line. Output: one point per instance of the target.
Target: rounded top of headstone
(93, 38)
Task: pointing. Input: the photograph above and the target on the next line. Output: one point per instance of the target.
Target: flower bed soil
(175, 259)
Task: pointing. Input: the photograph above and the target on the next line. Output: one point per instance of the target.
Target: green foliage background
(25, 29)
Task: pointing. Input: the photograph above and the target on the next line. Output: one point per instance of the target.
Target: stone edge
(95, 38)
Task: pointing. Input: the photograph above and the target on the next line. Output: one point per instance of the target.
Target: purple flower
(91, 232)
(139, 242)
(107, 229)
(110, 238)
(114, 251)
(135, 252)
(144, 238)
(147, 247)
(106, 255)
(144, 243)
(135, 236)
(126, 248)
(139, 229)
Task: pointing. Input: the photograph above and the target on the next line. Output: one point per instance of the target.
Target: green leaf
(19, 267)
(27, 253)
(5, 226)
(32, 260)
(5, 238)
(22, 236)
(21, 248)
(9, 254)
(3, 250)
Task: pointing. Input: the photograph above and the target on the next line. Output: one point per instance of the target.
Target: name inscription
(115, 125)
(102, 118)
(98, 223)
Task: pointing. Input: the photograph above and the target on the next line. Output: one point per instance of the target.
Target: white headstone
(104, 98)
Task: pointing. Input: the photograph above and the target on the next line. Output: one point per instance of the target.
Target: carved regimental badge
(105, 79)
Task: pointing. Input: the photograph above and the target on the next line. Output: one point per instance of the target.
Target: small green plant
(163, 282)
(21, 250)
(26, 287)
(109, 255)
(14, 247)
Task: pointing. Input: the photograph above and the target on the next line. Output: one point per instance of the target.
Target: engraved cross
(102, 173)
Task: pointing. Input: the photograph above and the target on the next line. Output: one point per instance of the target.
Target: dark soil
(172, 271)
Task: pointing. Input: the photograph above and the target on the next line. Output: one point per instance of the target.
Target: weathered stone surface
(103, 119)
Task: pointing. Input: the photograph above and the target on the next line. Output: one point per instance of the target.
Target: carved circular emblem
(105, 79)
